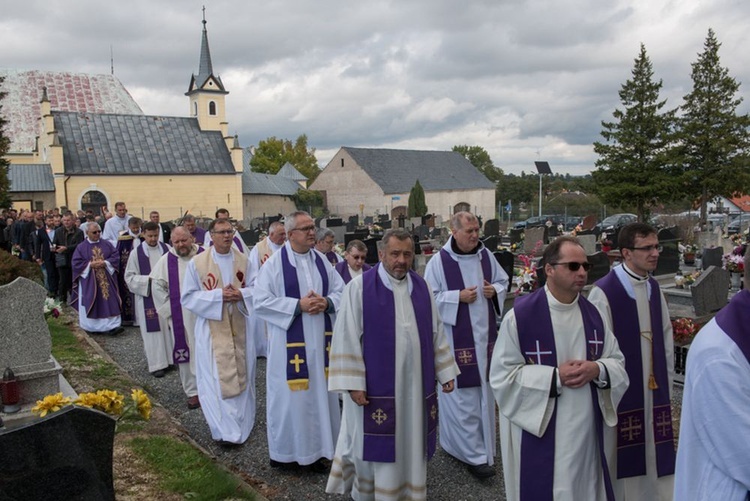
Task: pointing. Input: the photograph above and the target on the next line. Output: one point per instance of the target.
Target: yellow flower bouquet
(109, 401)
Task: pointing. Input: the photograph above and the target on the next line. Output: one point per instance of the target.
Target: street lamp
(542, 168)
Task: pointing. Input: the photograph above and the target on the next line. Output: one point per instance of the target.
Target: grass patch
(184, 470)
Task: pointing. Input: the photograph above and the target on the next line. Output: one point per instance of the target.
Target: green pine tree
(714, 140)
(633, 168)
(5, 200)
(417, 206)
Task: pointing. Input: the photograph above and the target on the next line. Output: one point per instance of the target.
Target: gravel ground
(447, 478)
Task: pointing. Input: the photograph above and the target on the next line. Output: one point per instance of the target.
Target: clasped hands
(231, 294)
(469, 295)
(98, 263)
(313, 303)
(577, 373)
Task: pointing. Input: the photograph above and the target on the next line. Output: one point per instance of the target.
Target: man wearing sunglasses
(353, 264)
(633, 306)
(469, 287)
(558, 375)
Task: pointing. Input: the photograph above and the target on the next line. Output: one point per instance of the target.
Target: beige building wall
(347, 186)
(481, 202)
(43, 200)
(172, 196)
(270, 205)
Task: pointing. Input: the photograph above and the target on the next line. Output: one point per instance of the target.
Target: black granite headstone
(352, 224)
(552, 232)
(422, 231)
(491, 228)
(250, 237)
(401, 221)
(712, 257)
(372, 250)
(382, 218)
(515, 236)
(600, 260)
(386, 225)
(669, 258)
(332, 222)
(491, 242)
(65, 455)
(368, 220)
(355, 235)
(505, 260)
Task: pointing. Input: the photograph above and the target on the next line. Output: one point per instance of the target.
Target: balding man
(469, 287)
(259, 255)
(166, 278)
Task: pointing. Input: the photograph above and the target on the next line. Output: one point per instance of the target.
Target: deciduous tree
(272, 153)
(480, 159)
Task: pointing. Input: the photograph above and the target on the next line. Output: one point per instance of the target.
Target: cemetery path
(447, 478)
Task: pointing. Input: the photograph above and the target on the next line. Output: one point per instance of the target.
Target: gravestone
(712, 257)
(352, 224)
(491, 242)
(435, 233)
(492, 228)
(333, 222)
(368, 220)
(438, 220)
(401, 221)
(708, 239)
(250, 237)
(533, 235)
(710, 291)
(25, 341)
(355, 235)
(65, 455)
(339, 232)
(588, 242)
(669, 258)
(422, 231)
(372, 250)
(515, 235)
(552, 232)
(600, 260)
(588, 223)
(428, 220)
(505, 260)
(387, 224)
(413, 223)
(383, 218)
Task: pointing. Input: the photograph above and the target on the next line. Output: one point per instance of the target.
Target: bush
(11, 268)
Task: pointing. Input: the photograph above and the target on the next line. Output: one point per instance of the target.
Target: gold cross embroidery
(379, 416)
(296, 361)
(464, 356)
(632, 429)
(664, 423)
(433, 411)
(649, 336)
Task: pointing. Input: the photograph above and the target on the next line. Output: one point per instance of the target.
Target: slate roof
(396, 171)
(256, 183)
(139, 145)
(288, 171)
(66, 92)
(30, 177)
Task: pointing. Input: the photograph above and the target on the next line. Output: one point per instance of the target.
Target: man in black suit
(67, 238)
(44, 253)
(165, 232)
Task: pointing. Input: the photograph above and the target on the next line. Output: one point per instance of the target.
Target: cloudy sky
(527, 80)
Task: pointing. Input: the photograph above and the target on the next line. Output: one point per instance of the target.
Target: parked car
(536, 221)
(613, 223)
(734, 227)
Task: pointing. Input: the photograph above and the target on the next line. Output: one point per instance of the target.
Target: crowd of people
(360, 358)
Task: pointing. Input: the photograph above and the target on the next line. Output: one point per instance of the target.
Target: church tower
(206, 92)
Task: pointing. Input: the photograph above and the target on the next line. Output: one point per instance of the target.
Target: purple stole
(537, 340)
(144, 265)
(297, 376)
(464, 348)
(631, 433)
(124, 246)
(379, 352)
(332, 257)
(199, 236)
(101, 298)
(236, 241)
(181, 351)
(343, 269)
(734, 320)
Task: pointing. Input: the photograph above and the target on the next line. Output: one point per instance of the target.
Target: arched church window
(212, 108)
(195, 109)
(93, 200)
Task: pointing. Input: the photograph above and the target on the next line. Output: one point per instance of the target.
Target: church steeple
(206, 91)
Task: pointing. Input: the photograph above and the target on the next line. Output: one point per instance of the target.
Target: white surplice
(647, 486)
(713, 461)
(158, 345)
(522, 392)
(229, 419)
(113, 227)
(467, 415)
(302, 425)
(160, 289)
(260, 330)
(407, 477)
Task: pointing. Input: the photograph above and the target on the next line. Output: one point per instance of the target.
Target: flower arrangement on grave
(339, 249)
(109, 401)
(733, 261)
(683, 330)
(375, 229)
(606, 242)
(514, 247)
(736, 239)
(525, 276)
(52, 308)
(577, 229)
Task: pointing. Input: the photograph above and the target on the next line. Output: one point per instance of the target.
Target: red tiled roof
(78, 92)
(742, 202)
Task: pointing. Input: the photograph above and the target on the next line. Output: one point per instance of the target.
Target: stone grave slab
(491, 228)
(332, 222)
(491, 242)
(422, 231)
(339, 233)
(372, 250)
(708, 239)
(710, 291)
(600, 260)
(65, 455)
(25, 341)
(382, 218)
(355, 235)
(669, 258)
(588, 242)
(250, 237)
(352, 223)
(413, 222)
(505, 259)
(368, 220)
(712, 257)
(533, 235)
(387, 224)
(588, 222)
(514, 235)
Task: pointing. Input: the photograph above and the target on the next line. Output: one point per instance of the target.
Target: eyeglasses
(649, 248)
(223, 232)
(95, 232)
(305, 229)
(574, 266)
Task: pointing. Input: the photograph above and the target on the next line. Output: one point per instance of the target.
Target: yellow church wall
(172, 196)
